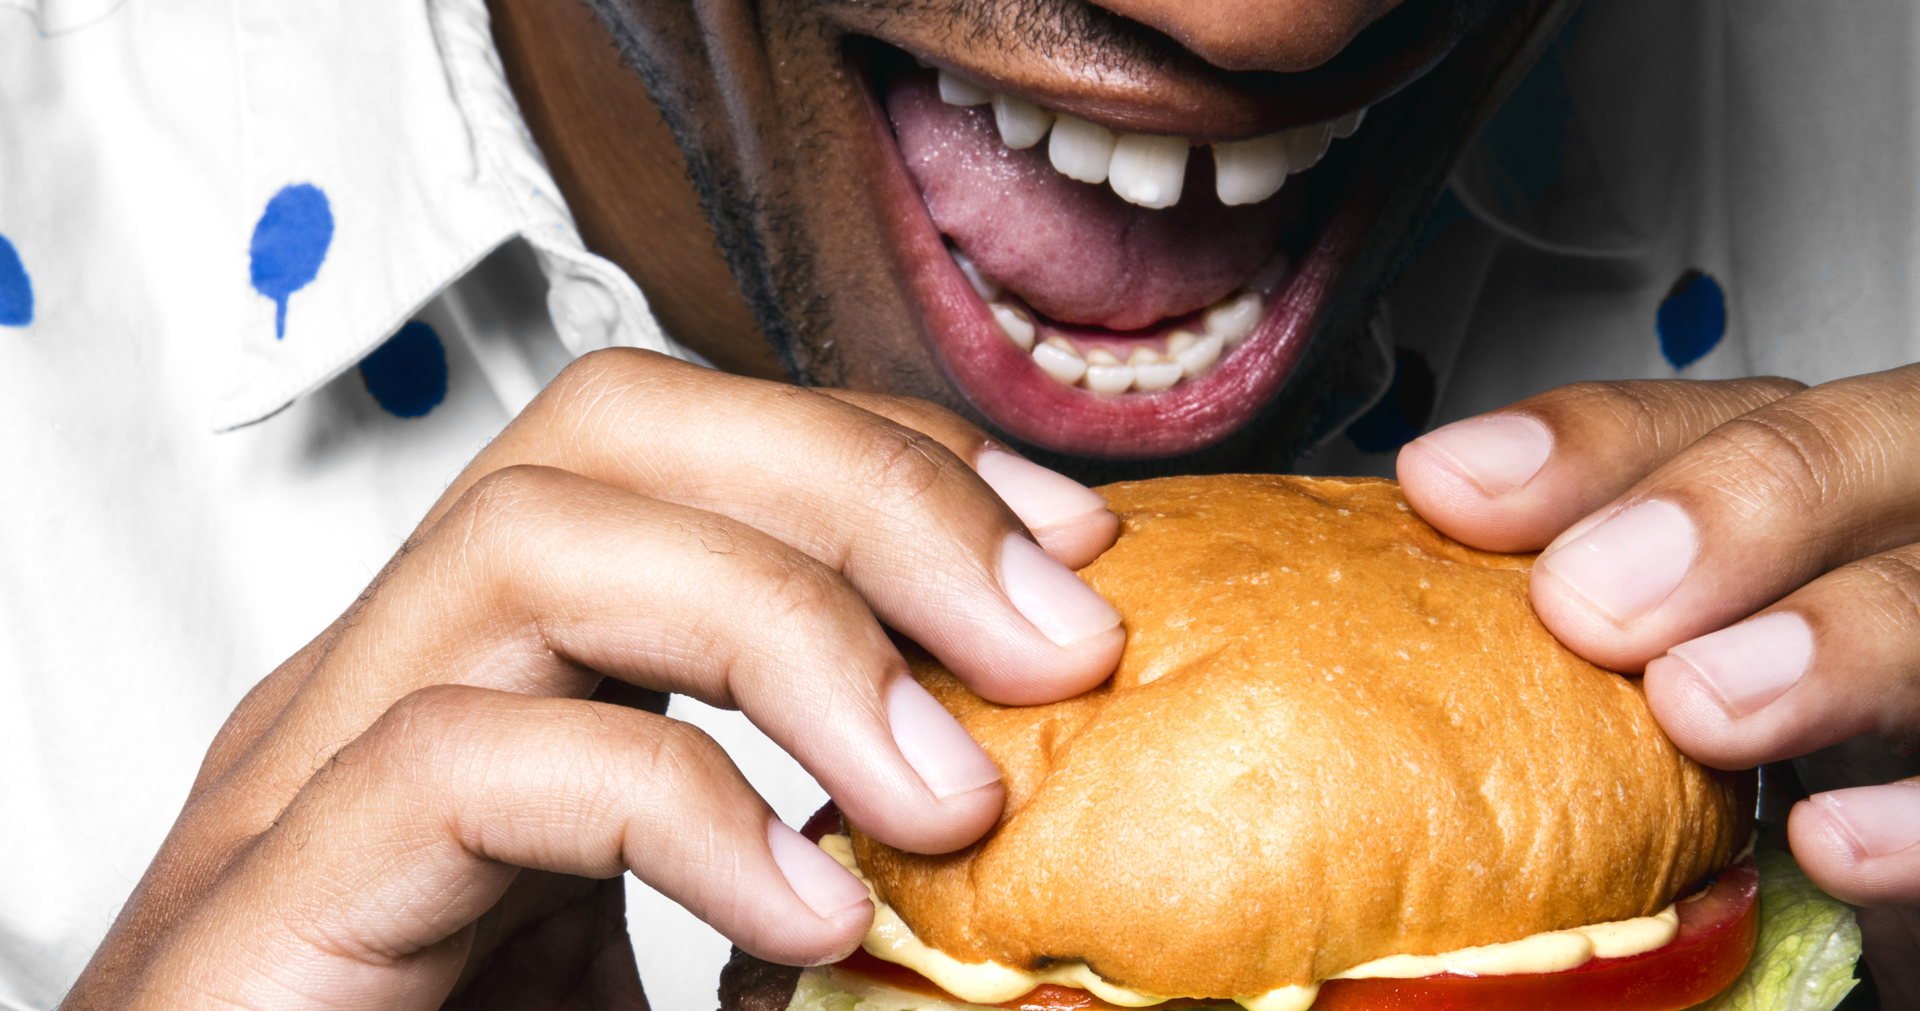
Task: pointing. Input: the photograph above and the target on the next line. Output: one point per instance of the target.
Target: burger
(1341, 766)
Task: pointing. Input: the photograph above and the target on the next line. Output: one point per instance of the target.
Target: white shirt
(1771, 146)
(189, 494)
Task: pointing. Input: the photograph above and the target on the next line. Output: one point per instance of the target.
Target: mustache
(1070, 31)
(1089, 36)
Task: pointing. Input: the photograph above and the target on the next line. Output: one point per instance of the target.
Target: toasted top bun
(1334, 735)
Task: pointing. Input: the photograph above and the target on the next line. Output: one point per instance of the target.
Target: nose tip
(1279, 35)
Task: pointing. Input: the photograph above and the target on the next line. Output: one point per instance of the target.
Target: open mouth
(1100, 291)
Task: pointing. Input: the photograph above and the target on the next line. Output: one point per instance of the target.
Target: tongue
(1074, 252)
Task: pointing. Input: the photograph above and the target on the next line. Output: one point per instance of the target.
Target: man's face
(1142, 230)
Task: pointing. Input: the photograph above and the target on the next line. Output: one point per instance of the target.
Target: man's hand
(1750, 545)
(425, 801)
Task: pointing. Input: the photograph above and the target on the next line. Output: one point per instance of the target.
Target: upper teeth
(1150, 169)
(1249, 171)
(1022, 124)
(1081, 150)
(955, 91)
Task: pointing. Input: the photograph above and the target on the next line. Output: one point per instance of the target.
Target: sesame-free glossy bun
(1334, 735)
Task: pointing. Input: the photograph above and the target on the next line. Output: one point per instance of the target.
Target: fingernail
(1040, 497)
(1752, 663)
(1630, 563)
(825, 886)
(935, 743)
(1497, 452)
(1050, 596)
(1878, 820)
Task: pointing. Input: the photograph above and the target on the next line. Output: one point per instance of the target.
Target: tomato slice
(824, 822)
(1716, 938)
(1715, 941)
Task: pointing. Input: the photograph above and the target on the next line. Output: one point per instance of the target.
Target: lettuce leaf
(1808, 946)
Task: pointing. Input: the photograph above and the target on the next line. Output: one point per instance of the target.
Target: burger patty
(748, 984)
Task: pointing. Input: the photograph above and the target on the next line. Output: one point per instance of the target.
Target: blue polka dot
(290, 243)
(1692, 320)
(1403, 411)
(16, 288)
(408, 374)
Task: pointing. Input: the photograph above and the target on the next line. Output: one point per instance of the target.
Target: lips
(1104, 293)
(1077, 320)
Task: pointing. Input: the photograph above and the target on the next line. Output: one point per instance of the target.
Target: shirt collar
(385, 156)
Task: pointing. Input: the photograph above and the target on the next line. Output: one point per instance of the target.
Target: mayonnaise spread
(890, 939)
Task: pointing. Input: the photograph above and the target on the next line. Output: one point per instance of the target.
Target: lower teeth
(1152, 366)
(1015, 323)
(1058, 358)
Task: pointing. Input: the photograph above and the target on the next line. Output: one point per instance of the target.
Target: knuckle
(1620, 405)
(936, 412)
(802, 593)
(503, 503)
(1775, 387)
(675, 759)
(802, 611)
(806, 611)
(509, 490)
(416, 731)
(926, 414)
(1603, 394)
(1789, 455)
(1664, 415)
(680, 769)
(903, 464)
(604, 367)
(1895, 589)
(598, 376)
(1887, 610)
(1623, 397)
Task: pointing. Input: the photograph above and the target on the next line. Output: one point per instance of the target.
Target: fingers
(923, 538)
(1514, 479)
(1069, 520)
(361, 895)
(541, 581)
(1692, 506)
(1755, 508)
(1834, 660)
(1861, 844)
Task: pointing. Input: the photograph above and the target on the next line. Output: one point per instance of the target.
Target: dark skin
(617, 164)
(494, 695)
(813, 216)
